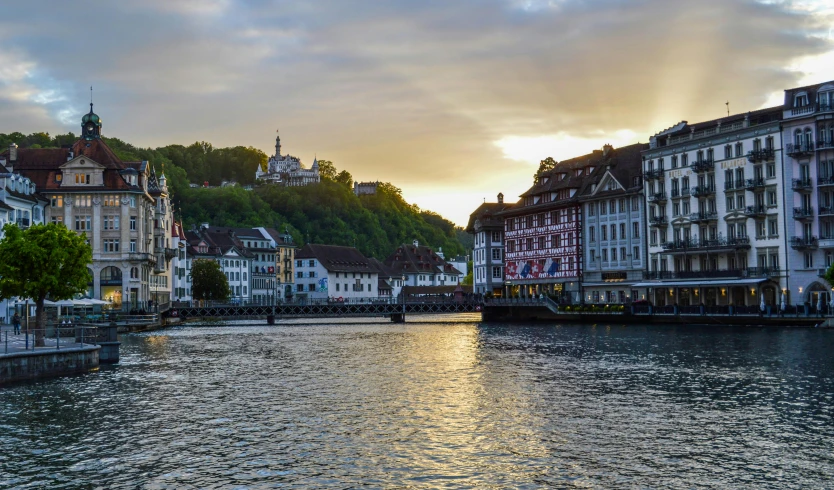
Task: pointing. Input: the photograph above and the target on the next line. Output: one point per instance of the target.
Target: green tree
(469, 278)
(208, 282)
(43, 260)
(327, 170)
(545, 165)
(829, 275)
(345, 179)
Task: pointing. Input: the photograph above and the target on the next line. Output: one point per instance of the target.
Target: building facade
(716, 217)
(92, 191)
(287, 170)
(808, 133)
(488, 253)
(331, 272)
(614, 255)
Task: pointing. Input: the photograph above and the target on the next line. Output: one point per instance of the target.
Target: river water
(452, 404)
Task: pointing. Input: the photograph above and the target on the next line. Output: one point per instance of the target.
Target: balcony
(823, 181)
(170, 253)
(729, 185)
(702, 246)
(141, 257)
(756, 156)
(703, 166)
(658, 221)
(803, 214)
(702, 190)
(800, 150)
(703, 217)
(825, 145)
(653, 174)
(677, 194)
(755, 211)
(826, 211)
(657, 197)
(714, 274)
(804, 243)
(753, 184)
(802, 185)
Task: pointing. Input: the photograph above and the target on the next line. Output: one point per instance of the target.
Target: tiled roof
(335, 258)
(811, 90)
(5, 206)
(484, 212)
(410, 259)
(624, 164)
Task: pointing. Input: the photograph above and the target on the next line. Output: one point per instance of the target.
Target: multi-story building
(808, 133)
(543, 233)
(714, 192)
(614, 255)
(180, 265)
(224, 246)
(287, 170)
(334, 272)
(488, 252)
(19, 204)
(422, 266)
(284, 262)
(92, 191)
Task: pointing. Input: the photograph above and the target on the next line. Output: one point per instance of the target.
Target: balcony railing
(659, 221)
(802, 149)
(657, 197)
(805, 243)
(825, 181)
(826, 210)
(679, 193)
(803, 213)
(753, 184)
(141, 257)
(764, 155)
(653, 174)
(702, 166)
(729, 185)
(825, 145)
(703, 216)
(702, 190)
(802, 185)
(805, 109)
(713, 274)
(759, 210)
(696, 245)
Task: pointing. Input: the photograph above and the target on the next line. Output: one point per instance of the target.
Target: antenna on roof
(728, 108)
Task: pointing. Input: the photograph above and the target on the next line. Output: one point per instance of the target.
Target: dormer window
(82, 178)
(612, 186)
(800, 100)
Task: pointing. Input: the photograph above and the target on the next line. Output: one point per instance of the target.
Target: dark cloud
(412, 92)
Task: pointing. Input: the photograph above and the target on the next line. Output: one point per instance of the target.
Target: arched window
(808, 137)
(111, 275)
(797, 137)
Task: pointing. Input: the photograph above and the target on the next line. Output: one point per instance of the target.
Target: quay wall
(21, 366)
(510, 313)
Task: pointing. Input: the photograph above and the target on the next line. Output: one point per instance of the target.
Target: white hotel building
(808, 133)
(716, 213)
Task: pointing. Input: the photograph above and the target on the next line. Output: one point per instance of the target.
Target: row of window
(730, 151)
(614, 256)
(86, 200)
(481, 273)
(480, 238)
(234, 276)
(559, 216)
(613, 206)
(635, 232)
(480, 255)
(541, 243)
(766, 258)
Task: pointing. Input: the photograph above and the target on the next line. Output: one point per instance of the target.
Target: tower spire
(91, 99)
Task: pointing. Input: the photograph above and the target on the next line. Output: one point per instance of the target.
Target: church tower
(91, 125)
(278, 146)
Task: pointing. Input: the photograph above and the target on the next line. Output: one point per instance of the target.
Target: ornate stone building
(287, 170)
(120, 206)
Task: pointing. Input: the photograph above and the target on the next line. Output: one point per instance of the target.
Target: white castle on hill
(287, 170)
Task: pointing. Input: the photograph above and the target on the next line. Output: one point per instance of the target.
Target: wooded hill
(326, 213)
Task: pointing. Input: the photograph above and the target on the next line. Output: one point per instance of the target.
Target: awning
(719, 282)
(609, 283)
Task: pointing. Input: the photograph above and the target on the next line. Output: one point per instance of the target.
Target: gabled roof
(336, 258)
(811, 90)
(621, 164)
(485, 213)
(419, 259)
(382, 269)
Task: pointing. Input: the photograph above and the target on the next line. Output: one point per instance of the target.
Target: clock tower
(91, 125)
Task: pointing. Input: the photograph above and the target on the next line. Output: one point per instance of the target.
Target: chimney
(416, 243)
(606, 149)
(500, 198)
(204, 226)
(70, 155)
(12, 153)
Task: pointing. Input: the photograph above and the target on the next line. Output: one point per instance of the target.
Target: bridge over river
(330, 309)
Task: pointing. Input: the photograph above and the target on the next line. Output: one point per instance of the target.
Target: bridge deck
(329, 310)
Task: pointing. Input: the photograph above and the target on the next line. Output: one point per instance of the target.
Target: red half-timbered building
(543, 233)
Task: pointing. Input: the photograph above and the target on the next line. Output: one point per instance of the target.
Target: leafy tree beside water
(208, 282)
(43, 260)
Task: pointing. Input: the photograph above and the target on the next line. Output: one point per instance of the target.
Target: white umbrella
(82, 302)
(31, 302)
(94, 301)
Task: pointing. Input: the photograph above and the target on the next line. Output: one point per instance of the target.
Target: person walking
(16, 323)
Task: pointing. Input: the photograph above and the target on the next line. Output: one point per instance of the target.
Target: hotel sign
(614, 276)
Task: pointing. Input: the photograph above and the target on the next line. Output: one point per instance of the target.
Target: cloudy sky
(452, 101)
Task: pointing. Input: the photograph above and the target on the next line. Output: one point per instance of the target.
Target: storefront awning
(696, 283)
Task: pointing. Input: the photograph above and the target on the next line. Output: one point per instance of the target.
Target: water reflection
(430, 405)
